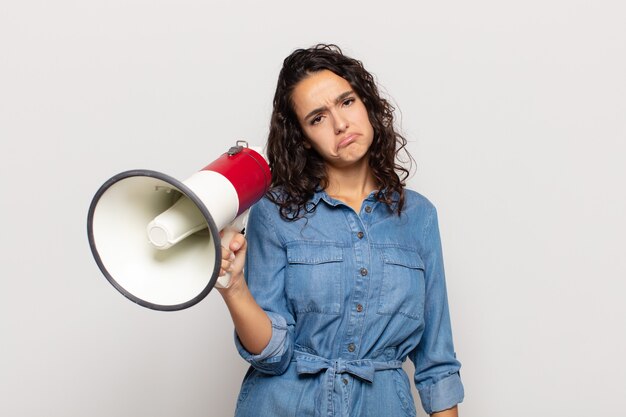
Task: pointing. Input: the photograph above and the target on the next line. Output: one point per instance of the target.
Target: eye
(349, 101)
(316, 120)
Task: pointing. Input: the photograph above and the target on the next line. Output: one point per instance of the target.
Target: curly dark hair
(297, 171)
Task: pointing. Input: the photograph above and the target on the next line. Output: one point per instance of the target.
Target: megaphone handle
(229, 233)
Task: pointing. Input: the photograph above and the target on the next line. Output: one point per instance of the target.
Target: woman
(344, 273)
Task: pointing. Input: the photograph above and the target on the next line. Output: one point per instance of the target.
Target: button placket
(356, 319)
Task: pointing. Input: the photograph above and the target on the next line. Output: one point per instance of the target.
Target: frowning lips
(347, 139)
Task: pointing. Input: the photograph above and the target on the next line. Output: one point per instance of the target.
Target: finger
(226, 265)
(238, 242)
(227, 254)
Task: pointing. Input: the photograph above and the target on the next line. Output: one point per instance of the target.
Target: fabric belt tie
(364, 369)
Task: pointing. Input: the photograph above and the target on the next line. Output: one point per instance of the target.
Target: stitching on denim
(270, 222)
(429, 222)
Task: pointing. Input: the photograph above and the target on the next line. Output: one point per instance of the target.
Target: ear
(306, 144)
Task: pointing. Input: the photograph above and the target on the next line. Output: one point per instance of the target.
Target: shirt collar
(320, 194)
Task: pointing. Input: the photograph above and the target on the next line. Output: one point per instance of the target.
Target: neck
(350, 185)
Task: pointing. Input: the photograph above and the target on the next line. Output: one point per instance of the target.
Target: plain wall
(516, 116)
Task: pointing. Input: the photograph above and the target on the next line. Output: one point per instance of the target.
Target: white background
(516, 115)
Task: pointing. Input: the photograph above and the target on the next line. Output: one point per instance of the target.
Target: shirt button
(351, 347)
(345, 381)
(368, 209)
(359, 308)
(363, 271)
(360, 235)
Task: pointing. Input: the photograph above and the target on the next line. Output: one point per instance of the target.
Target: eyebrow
(339, 98)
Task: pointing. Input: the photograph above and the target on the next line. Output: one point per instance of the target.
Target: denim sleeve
(266, 260)
(436, 368)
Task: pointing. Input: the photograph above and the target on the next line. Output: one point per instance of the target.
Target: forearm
(451, 412)
(252, 324)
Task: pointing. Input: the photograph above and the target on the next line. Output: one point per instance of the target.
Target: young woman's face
(333, 119)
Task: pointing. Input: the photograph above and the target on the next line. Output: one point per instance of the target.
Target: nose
(341, 124)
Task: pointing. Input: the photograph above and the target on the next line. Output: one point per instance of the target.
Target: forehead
(319, 89)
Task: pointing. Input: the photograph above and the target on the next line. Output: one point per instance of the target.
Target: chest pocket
(313, 281)
(402, 289)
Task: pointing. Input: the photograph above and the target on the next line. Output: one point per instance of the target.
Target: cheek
(364, 121)
(318, 136)
(361, 115)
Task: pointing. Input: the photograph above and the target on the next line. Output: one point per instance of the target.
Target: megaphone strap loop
(239, 145)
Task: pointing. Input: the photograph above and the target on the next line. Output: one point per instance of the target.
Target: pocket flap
(409, 258)
(314, 253)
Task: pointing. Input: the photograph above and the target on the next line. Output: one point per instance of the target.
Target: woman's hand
(233, 260)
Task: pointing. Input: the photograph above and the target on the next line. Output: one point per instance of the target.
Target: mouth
(346, 140)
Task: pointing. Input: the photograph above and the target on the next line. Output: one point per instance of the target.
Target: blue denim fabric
(350, 296)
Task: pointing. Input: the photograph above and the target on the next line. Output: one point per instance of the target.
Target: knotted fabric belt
(364, 369)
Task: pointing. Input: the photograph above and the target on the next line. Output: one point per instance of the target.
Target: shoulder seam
(270, 223)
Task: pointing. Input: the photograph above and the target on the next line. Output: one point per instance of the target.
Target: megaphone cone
(156, 239)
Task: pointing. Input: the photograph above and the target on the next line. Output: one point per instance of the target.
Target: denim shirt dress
(350, 297)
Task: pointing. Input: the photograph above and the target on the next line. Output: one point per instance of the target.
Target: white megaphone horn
(156, 239)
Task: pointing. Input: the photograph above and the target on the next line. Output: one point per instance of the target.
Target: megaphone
(157, 240)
